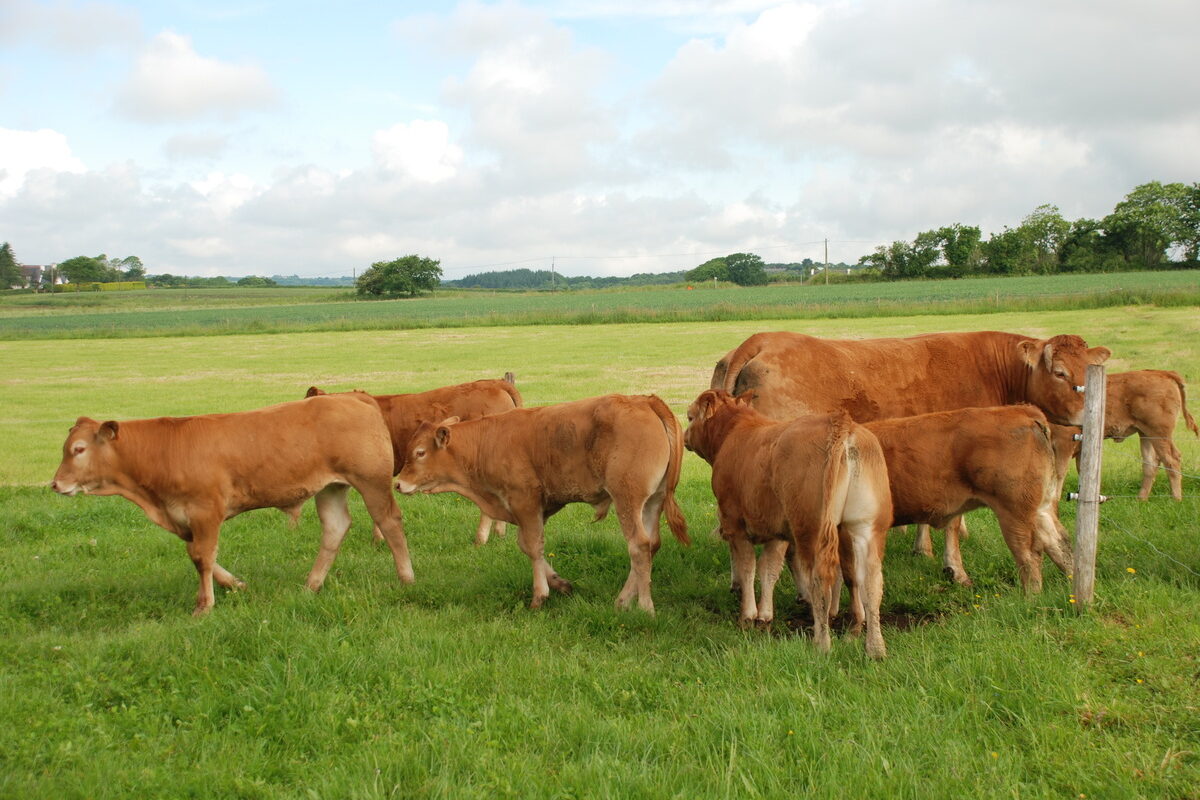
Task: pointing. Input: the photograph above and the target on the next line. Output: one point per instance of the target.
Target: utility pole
(552, 287)
(827, 262)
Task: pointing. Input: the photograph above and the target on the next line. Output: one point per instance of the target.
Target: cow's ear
(108, 430)
(313, 392)
(81, 421)
(1030, 351)
(1098, 355)
(441, 436)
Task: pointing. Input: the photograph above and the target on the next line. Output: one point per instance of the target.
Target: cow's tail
(833, 496)
(1187, 416)
(725, 374)
(670, 424)
(509, 384)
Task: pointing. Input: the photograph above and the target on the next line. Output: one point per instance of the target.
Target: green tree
(86, 269)
(10, 270)
(1009, 252)
(713, 268)
(130, 267)
(254, 281)
(410, 275)
(962, 248)
(1149, 221)
(1045, 231)
(746, 269)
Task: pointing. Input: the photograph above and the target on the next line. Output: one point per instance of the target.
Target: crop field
(452, 687)
(161, 312)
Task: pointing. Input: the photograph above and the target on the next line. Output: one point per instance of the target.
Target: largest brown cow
(793, 374)
(404, 413)
(525, 465)
(190, 474)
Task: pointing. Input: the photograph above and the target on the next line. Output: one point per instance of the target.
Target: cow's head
(1056, 367)
(429, 463)
(313, 391)
(88, 458)
(705, 433)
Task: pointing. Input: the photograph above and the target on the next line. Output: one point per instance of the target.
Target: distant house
(35, 274)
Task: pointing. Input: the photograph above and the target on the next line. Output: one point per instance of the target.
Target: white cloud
(184, 146)
(171, 82)
(420, 149)
(24, 151)
(71, 27)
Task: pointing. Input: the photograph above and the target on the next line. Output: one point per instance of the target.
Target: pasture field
(191, 312)
(451, 687)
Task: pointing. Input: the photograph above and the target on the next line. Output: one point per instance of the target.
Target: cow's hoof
(746, 623)
(537, 602)
(561, 584)
(201, 611)
(961, 578)
(762, 624)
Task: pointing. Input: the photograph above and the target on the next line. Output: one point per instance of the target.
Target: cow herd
(817, 448)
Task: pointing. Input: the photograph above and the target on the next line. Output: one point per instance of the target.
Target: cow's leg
(334, 514)
(202, 549)
(226, 578)
(922, 542)
(1018, 534)
(531, 540)
(1149, 466)
(847, 574)
(820, 585)
(1172, 462)
(641, 554)
(952, 553)
(741, 557)
(381, 505)
(770, 564)
(1049, 534)
(868, 542)
(484, 530)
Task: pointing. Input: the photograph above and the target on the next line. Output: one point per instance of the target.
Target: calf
(190, 474)
(1149, 402)
(405, 412)
(802, 487)
(944, 464)
(525, 465)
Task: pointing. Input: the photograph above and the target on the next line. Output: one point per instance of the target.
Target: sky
(597, 137)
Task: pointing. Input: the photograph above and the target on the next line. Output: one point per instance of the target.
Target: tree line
(1156, 226)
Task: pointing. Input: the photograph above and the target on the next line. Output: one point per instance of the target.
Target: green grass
(451, 687)
(225, 311)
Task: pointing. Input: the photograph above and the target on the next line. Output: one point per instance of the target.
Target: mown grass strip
(652, 306)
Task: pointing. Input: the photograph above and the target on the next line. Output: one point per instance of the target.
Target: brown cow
(797, 487)
(405, 412)
(1149, 402)
(944, 464)
(794, 374)
(190, 474)
(525, 465)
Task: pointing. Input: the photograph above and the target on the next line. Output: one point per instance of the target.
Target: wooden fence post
(1087, 514)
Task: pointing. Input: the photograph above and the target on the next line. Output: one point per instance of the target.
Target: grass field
(223, 311)
(452, 688)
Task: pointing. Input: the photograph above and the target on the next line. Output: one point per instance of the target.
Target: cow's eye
(78, 448)
(420, 452)
(1061, 373)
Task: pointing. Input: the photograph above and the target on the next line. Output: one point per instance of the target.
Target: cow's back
(792, 374)
(272, 456)
(968, 451)
(405, 412)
